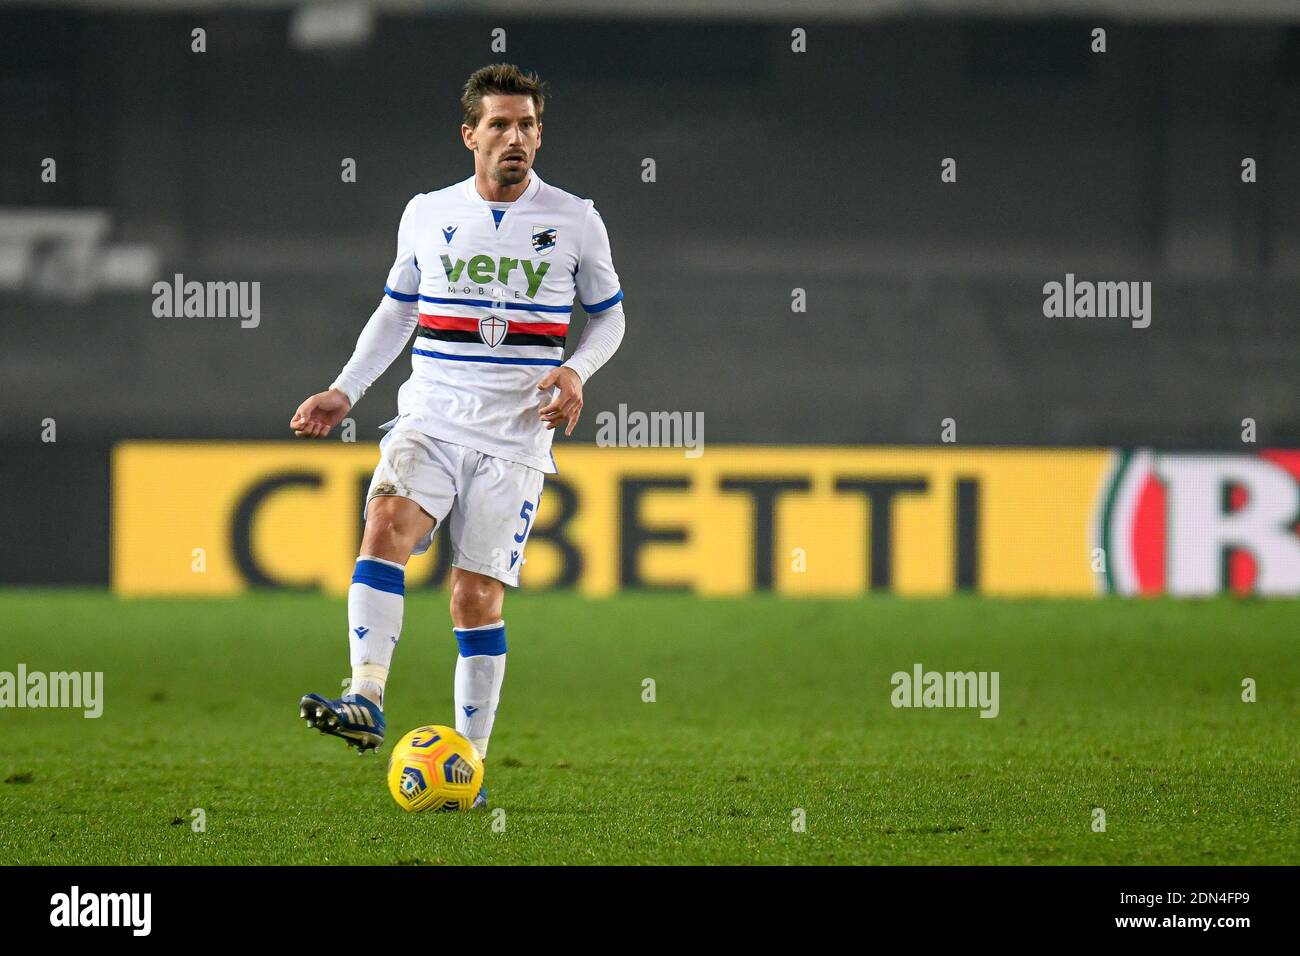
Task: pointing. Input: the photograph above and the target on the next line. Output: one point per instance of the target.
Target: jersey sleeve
(596, 280)
(404, 277)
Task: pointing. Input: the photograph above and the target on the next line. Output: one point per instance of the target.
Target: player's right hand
(316, 416)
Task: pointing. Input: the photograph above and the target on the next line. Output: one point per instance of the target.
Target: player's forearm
(381, 341)
(600, 340)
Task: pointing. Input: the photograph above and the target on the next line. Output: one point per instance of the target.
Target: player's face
(507, 137)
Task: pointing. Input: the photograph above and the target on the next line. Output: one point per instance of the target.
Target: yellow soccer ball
(434, 768)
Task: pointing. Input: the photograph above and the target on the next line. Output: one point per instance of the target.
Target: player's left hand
(566, 406)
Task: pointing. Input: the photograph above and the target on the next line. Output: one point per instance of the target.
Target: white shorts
(492, 502)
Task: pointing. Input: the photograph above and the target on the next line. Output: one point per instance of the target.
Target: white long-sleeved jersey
(489, 289)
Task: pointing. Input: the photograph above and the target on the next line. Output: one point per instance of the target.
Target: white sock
(480, 669)
(374, 623)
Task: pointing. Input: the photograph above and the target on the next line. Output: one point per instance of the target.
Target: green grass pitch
(764, 706)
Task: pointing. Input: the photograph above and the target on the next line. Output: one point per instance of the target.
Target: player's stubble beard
(504, 175)
(510, 177)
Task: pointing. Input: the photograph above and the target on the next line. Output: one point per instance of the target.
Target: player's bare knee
(476, 600)
(391, 530)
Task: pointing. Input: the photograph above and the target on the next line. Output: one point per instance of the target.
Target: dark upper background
(775, 170)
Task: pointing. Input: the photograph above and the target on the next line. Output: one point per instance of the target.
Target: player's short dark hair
(500, 79)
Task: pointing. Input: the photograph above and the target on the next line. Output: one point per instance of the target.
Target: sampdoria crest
(543, 239)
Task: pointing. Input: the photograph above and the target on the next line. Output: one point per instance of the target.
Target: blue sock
(480, 670)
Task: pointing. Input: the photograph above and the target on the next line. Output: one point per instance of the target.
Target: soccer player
(486, 274)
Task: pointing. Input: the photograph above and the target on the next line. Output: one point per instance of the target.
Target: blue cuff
(490, 641)
(380, 576)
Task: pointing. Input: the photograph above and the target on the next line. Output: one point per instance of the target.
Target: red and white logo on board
(1194, 525)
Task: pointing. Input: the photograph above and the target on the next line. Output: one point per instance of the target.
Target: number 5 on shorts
(526, 513)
